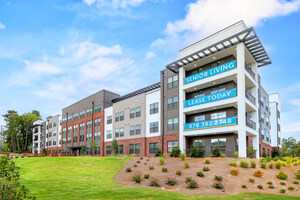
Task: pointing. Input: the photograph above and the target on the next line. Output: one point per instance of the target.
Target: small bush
(145, 163)
(271, 165)
(234, 171)
(164, 156)
(278, 164)
(263, 165)
(141, 158)
(182, 156)
(251, 180)
(178, 172)
(175, 152)
(281, 175)
(260, 187)
(218, 186)
(232, 164)
(151, 167)
(205, 169)
(186, 164)
(218, 178)
(137, 178)
(128, 169)
(271, 186)
(158, 152)
(291, 188)
(297, 174)
(162, 161)
(283, 163)
(282, 191)
(251, 152)
(148, 160)
(22, 156)
(223, 155)
(200, 174)
(188, 179)
(258, 173)
(193, 184)
(270, 183)
(216, 152)
(133, 155)
(164, 170)
(171, 181)
(138, 161)
(282, 183)
(268, 159)
(197, 153)
(244, 164)
(207, 161)
(146, 176)
(154, 183)
(236, 154)
(253, 164)
(134, 165)
(244, 186)
(296, 182)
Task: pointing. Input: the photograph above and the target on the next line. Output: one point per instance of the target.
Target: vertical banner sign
(210, 124)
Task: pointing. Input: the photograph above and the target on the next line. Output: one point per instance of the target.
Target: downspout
(93, 103)
(162, 82)
(67, 131)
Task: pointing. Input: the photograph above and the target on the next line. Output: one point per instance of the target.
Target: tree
(115, 147)
(82, 151)
(289, 146)
(93, 145)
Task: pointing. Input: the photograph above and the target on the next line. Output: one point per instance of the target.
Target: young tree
(93, 145)
(115, 147)
(289, 146)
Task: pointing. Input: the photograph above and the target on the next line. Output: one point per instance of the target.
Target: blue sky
(55, 52)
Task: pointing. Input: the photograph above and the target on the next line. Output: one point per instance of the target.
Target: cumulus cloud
(114, 3)
(150, 55)
(205, 17)
(2, 26)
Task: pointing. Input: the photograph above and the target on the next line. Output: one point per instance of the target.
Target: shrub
(271, 165)
(22, 156)
(258, 173)
(175, 152)
(182, 156)
(151, 167)
(251, 180)
(178, 172)
(282, 191)
(158, 152)
(146, 176)
(218, 178)
(141, 158)
(278, 164)
(291, 188)
(162, 161)
(207, 161)
(138, 161)
(218, 186)
(283, 163)
(164, 170)
(251, 152)
(193, 184)
(236, 154)
(275, 153)
(260, 186)
(164, 156)
(281, 175)
(145, 163)
(253, 164)
(200, 174)
(133, 155)
(154, 183)
(297, 174)
(270, 183)
(263, 165)
(137, 178)
(234, 171)
(205, 169)
(171, 181)
(200, 152)
(186, 164)
(216, 152)
(282, 183)
(271, 186)
(296, 182)
(134, 165)
(223, 155)
(232, 164)
(188, 179)
(128, 169)
(244, 186)
(30, 155)
(244, 164)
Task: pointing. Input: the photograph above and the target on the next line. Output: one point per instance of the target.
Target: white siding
(152, 97)
(108, 127)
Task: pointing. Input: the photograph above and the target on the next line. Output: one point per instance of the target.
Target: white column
(241, 100)
(181, 99)
(255, 115)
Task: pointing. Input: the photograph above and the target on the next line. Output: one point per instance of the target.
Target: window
(173, 82)
(218, 115)
(108, 150)
(64, 141)
(54, 124)
(50, 125)
(108, 134)
(97, 122)
(131, 149)
(153, 108)
(69, 140)
(75, 139)
(171, 145)
(69, 119)
(198, 143)
(173, 124)
(121, 116)
(98, 108)
(220, 143)
(153, 148)
(117, 134)
(64, 131)
(121, 131)
(138, 112)
(81, 126)
(69, 130)
(50, 134)
(137, 149)
(154, 127)
(81, 138)
(132, 128)
(121, 149)
(89, 124)
(117, 117)
(82, 114)
(88, 151)
(199, 118)
(109, 119)
(236, 144)
(97, 136)
(89, 136)
(89, 111)
(138, 129)
(97, 150)
(132, 113)
(173, 103)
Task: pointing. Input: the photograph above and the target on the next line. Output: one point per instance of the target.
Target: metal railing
(249, 70)
(250, 123)
(250, 97)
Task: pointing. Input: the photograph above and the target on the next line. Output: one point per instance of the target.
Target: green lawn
(93, 178)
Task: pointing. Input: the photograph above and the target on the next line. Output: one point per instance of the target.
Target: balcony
(210, 98)
(250, 123)
(211, 124)
(250, 97)
(249, 70)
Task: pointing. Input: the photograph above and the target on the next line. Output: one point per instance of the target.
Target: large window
(138, 129)
(121, 116)
(98, 108)
(138, 112)
(108, 150)
(89, 124)
(97, 136)
(220, 143)
(81, 126)
(75, 129)
(108, 134)
(75, 139)
(173, 124)
(81, 138)
(97, 150)
(218, 115)
(173, 81)
(109, 119)
(89, 136)
(153, 147)
(171, 145)
(97, 122)
(154, 127)
(153, 108)
(69, 141)
(198, 143)
(121, 149)
(173, 103)
(117, 118)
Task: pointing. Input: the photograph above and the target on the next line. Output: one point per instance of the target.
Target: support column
(241, 100)
(181, 99)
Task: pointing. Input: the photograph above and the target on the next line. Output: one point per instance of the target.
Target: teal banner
(210, 124)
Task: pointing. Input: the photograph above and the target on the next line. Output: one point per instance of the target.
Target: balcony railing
(215, 123)
(250, 97)
(250, 123)
(210, 98)
(249, 70)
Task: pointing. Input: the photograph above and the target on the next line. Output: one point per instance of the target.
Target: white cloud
(292, 127)
(2, 26)
(205, 17)
(114, 3)
(150, 55)
(89, 2)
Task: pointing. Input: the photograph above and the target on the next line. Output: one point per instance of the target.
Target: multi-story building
(275, 108)
(38, 132)
(52, 138)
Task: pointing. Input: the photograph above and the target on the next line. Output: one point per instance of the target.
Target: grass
(93, 178)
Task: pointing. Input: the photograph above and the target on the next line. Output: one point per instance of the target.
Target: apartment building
(38, 132)
(275, 108)
(52, 138)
